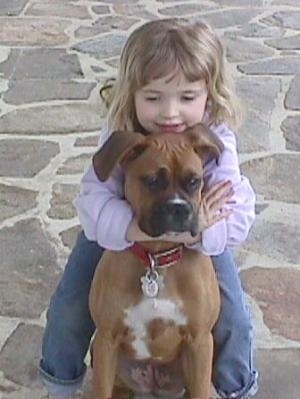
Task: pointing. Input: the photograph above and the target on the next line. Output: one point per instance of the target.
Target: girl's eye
(188, 98)
(152, 99)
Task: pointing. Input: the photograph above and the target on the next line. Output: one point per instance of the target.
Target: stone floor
(53, 56)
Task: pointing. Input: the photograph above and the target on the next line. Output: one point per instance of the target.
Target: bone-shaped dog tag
(150, 284)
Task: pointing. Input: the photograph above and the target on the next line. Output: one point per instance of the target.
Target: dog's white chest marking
(137, 317)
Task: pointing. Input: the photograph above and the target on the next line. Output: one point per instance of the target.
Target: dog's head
(163, 175)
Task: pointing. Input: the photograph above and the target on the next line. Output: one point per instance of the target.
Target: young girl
(171, 77)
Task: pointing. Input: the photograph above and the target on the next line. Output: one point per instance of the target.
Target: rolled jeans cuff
(58, 387)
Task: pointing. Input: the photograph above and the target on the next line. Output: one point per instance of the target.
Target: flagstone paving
(54, 54)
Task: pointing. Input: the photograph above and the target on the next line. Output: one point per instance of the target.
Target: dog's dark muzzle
(172, 216)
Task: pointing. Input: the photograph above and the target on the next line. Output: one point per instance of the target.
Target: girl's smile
(170, 104)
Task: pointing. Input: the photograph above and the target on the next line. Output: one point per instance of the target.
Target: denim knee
(69, 325)
(234, 375)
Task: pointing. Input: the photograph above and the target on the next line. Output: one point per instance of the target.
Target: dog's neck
(158, 246)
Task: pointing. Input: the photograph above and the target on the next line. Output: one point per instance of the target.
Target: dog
(154, 304)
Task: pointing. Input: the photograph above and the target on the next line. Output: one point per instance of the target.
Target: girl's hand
(211, 209)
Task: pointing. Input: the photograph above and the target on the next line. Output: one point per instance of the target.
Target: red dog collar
(160, 259)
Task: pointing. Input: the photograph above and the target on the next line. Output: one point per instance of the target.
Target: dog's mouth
(171, 217)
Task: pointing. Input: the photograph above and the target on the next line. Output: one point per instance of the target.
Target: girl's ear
(205, 142)
(120, 147)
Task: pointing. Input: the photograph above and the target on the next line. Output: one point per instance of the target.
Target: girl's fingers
(218, 192)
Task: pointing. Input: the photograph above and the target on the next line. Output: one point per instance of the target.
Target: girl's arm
(233, 229)
(103, 214)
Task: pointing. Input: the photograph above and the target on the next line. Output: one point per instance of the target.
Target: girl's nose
(169, 109)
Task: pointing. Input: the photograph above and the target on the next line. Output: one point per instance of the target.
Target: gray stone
(279, 373)
(101, 9)
(103, 47)
(113, 2)
(69, 236)
(29, 91)
(90, 141)
(97, 69)
(285, 65)
(266, 238)
(61, 201)
(258, 97)
(41, 64)
(58, 10)
(15, 200)
(25, 158)
(291, 129)
(58, 119)
(185, 9)
(227, 18)
(136, 10)
(285, 19)
(239, 50)
(255, 30)
(278, 295)
(240, 3)
(106, 25)
(29, 270)
(293, 3)
(286, 43)
(276, 177)
(292, 98)
(33, 32)
(12, 7)
(20, 355)
(75, 165)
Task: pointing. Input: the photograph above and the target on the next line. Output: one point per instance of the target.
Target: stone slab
(61, 201)
(289, 19)
(30, 91)
(25, 158)
(292, 98)
(11, 7)
(55, 119)
(103, 47)
(279, 373)
(285, 65)
(275, 177)
(291, 129)
(15, 200)
(106, 24)
(20, 355)
(75, 165)
(33, 32)
(277, 292)
(58, 10)
(41, 64)
(29, 270)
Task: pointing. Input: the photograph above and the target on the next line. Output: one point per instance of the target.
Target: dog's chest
(139, 317)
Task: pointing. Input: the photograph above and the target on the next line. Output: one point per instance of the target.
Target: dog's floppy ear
(205, 141)
(120, 147)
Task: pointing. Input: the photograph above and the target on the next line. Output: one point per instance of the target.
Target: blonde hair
(163, 47)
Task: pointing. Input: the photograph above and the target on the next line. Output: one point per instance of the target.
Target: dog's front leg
(105, 353)
(197, 366)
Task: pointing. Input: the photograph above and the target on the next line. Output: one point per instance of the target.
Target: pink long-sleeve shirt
(105, 214)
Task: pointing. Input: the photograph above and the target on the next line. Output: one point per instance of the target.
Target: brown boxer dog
(154, 304)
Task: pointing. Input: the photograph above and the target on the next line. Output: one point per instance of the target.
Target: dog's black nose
(178, 210)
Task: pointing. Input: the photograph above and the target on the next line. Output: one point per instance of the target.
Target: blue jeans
(69, 328)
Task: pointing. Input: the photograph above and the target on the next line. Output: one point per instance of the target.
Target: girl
(171, 77)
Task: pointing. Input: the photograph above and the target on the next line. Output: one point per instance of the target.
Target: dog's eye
(193, 183)
(155, 182)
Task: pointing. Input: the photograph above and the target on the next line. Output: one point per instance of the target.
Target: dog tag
(150, 284)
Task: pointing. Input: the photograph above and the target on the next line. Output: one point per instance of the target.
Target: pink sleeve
(103, 213)
(234, 230)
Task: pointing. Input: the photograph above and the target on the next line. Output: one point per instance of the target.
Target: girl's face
(170, 104)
